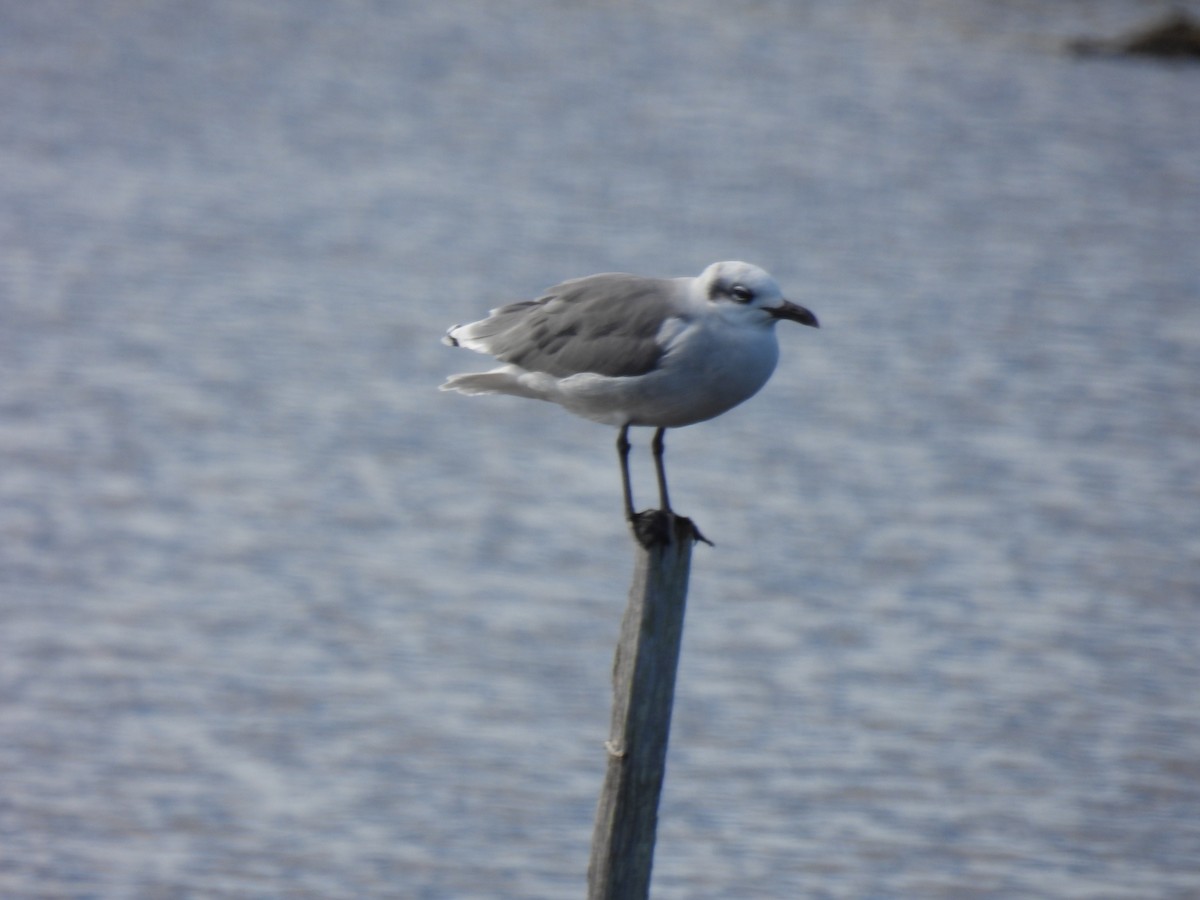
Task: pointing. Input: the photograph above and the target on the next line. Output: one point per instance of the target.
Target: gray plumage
(606, 324)
(628, 350)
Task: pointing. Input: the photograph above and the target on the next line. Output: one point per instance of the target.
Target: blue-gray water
(279, 619)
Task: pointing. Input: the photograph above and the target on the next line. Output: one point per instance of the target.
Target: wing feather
(606, 324)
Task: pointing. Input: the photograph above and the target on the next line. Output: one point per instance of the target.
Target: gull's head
(740, 290)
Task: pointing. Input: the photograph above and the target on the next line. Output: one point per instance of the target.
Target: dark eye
(741, 293)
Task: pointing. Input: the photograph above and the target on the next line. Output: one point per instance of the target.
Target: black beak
(795, 313)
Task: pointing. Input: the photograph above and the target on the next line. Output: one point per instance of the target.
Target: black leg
(623, 453)
(653, 527)
(659, 448)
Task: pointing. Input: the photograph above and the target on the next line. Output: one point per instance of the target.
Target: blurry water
(278, 619)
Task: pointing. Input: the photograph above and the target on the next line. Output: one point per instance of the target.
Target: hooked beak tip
(794, 312)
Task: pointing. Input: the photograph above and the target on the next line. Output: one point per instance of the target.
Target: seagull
(626, 350)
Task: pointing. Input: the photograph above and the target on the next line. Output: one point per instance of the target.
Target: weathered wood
(643, 691)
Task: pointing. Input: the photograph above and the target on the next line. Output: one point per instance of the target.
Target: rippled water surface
(279, 619)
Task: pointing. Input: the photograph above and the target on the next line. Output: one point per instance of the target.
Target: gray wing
(605, 324)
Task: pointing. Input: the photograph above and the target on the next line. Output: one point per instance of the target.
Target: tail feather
(498, 381)
(478, 383)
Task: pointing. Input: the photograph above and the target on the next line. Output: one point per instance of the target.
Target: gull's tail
(481, 383)
(507, 380)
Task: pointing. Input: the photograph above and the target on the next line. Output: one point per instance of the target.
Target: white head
(737, 288)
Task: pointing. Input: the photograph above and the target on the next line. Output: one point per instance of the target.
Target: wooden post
(643, 690)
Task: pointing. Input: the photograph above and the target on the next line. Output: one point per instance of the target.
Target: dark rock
(1177, 36)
